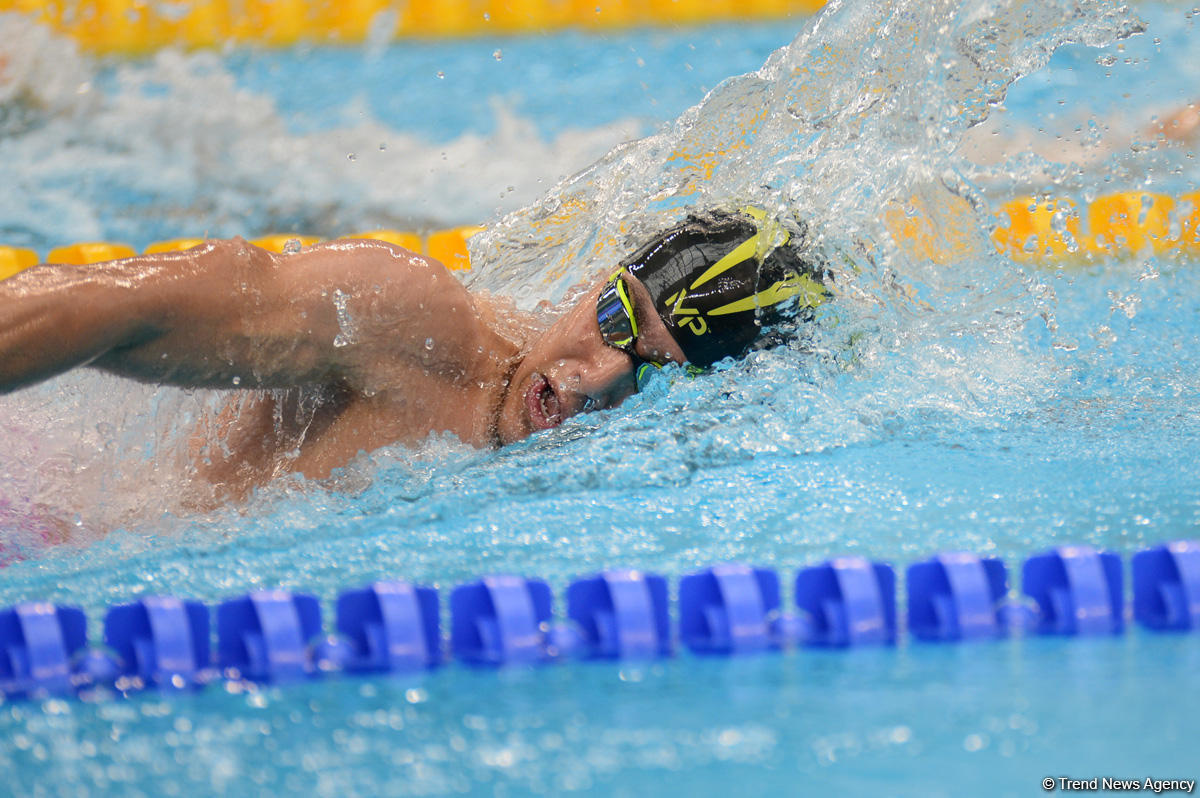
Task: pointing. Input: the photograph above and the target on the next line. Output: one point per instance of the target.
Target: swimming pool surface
(992, 408)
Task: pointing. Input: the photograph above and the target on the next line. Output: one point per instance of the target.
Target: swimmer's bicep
(234, 315)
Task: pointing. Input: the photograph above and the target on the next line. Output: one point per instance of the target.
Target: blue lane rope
(277, 636)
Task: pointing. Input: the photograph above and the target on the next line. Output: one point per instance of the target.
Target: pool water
(987, 407)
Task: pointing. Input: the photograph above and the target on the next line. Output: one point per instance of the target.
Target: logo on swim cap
(718, 278)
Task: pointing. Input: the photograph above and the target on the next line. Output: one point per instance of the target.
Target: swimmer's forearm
(54, 318)
(170, 317)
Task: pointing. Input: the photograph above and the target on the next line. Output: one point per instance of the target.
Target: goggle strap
(623, 292)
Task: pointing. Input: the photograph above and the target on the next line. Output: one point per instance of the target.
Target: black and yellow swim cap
(718, 278)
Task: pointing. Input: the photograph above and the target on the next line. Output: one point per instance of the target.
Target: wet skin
(360, 344)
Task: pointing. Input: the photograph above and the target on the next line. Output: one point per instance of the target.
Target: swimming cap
(718, 278)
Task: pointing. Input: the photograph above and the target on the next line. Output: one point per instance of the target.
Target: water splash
(860, 115)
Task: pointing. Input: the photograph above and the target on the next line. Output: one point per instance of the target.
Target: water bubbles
(1126, 304)
(347, 332)
(1106, 60)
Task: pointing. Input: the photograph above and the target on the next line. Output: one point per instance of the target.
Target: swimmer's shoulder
(401, 315)
(377, 276)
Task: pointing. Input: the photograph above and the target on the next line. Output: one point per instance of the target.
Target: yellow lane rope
(446, 246)
(1043, 230)
(140, 26)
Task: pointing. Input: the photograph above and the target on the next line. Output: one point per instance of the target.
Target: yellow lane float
(15, 259)
(89, 252)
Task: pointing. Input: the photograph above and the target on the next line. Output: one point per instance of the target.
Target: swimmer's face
(571, 369)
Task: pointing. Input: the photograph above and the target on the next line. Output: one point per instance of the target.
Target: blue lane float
(161, 641)
(38, 642)
(849, 601)
(1166, 586)
(729, 609)
(264, 636)
(390, 626)
(622, 614)
(1078, 591)
(503, 620)
(956, 596)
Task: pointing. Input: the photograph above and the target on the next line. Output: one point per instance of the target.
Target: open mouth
(542, 404)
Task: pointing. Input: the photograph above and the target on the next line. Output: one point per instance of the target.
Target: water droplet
(347, 333)
(291, 246)
(441, 75)
(351, 157)
(237, 380)
(429, 344)
(498, 55)
(1108, 59)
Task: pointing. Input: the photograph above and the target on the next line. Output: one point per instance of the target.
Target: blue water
(445, 89)
(887, 431)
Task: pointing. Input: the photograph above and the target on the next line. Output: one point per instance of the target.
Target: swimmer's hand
(229, 314)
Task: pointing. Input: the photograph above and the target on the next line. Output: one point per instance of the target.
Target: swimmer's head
(718, 278)
(700, 291)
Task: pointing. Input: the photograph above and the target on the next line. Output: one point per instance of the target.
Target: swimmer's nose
(605, 381)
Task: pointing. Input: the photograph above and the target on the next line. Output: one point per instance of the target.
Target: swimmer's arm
(229, 314)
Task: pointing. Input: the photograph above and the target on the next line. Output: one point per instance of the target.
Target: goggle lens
(618, 327)
(615, 315)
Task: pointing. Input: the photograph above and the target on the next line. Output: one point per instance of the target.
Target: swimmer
(353, 345)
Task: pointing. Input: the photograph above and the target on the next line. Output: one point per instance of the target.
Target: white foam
(177, 136)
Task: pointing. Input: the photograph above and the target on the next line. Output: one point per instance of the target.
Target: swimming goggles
(618, 324)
